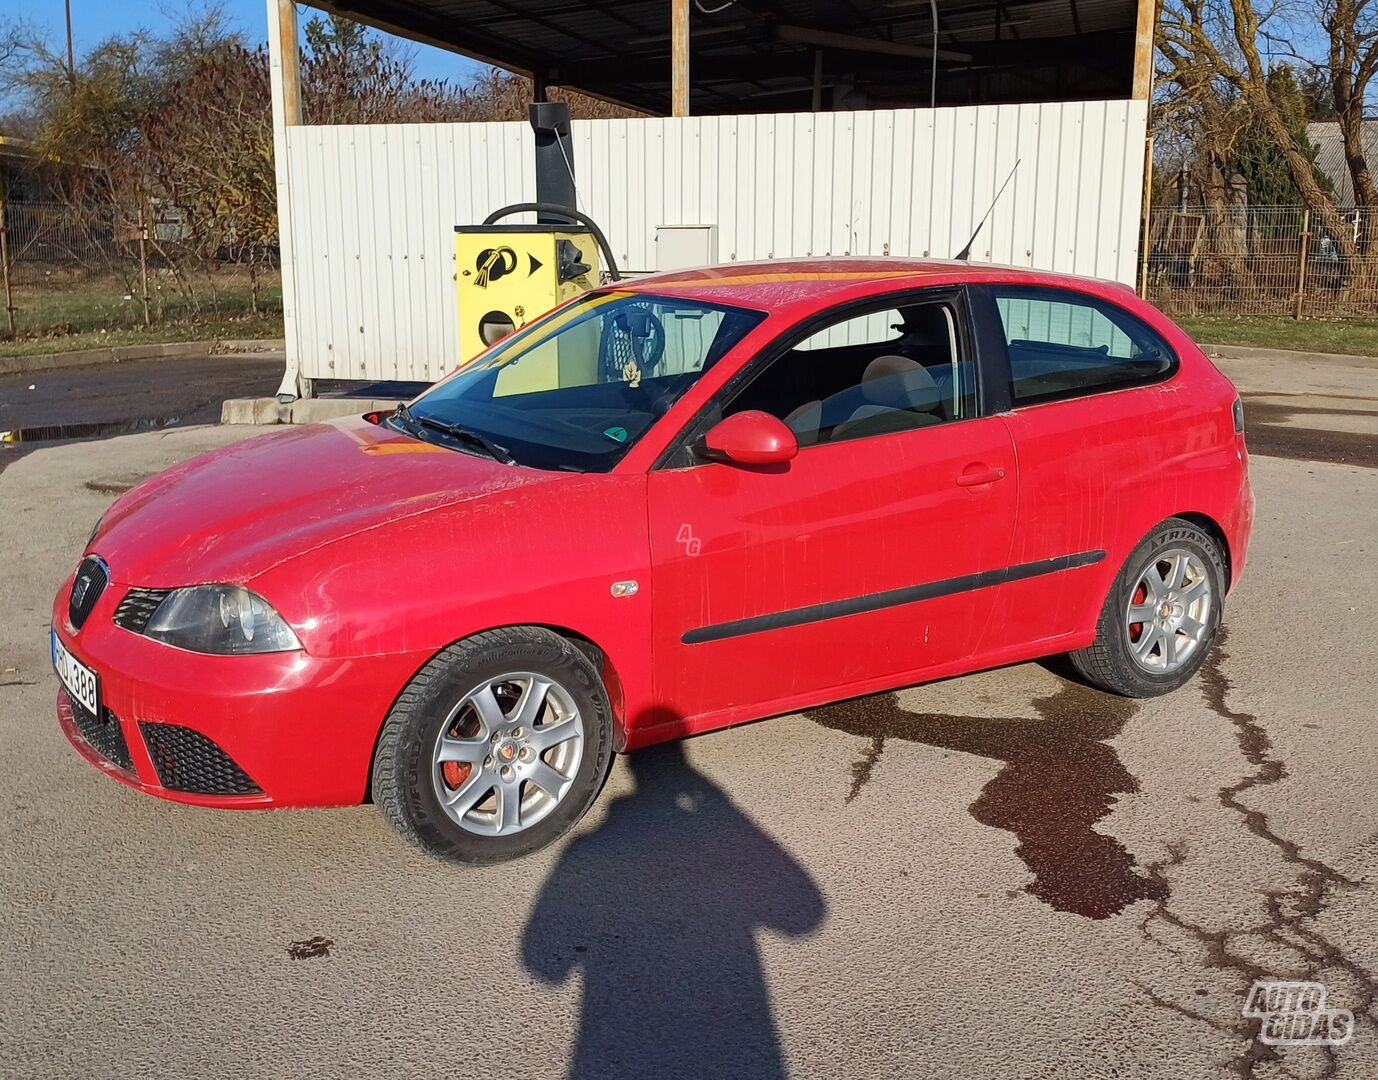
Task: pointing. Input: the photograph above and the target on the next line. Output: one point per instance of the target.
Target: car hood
(236, 512)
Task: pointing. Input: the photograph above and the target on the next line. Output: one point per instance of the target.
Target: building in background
(868, 127)
(1330, 154)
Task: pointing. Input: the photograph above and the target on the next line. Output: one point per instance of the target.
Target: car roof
(775, 284)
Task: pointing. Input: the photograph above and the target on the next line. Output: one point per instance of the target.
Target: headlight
(222, 619)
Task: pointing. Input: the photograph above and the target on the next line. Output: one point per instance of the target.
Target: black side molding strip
(856, 605)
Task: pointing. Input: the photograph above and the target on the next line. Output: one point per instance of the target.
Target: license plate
(81, 682)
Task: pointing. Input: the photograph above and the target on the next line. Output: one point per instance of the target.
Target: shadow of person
(659, 908)
(1059, 777)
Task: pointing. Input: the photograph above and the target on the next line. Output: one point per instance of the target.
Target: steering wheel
(637, 335)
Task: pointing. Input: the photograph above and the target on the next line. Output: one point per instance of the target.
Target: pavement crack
(1256, 746)
(1290, 913)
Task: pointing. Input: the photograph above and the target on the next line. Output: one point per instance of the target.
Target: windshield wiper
(415, 425)
(456, 431)
(405, 420)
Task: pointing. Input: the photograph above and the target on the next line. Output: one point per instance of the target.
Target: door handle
(977, 475)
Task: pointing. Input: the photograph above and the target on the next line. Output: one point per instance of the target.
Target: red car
(669, 506)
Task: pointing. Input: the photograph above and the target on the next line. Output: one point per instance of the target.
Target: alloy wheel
(507, 753)
(1169, 611)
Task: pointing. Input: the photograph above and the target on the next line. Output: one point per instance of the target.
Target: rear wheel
(1162, 615)
(496, 748)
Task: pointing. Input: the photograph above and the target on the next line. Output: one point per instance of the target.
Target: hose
(565, 212)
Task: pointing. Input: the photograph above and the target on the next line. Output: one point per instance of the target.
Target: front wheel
(496, 748)
(1162, 615)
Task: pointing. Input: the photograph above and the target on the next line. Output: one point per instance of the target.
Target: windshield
(577, 388)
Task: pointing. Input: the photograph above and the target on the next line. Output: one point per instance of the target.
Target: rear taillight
(1238, 416)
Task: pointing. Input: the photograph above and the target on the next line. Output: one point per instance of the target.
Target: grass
(247, 326)
(58, 309)
(48, 298)
(1357, 337)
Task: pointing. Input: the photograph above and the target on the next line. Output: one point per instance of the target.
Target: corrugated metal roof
(748, 57)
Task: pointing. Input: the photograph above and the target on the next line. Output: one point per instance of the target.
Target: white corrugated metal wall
(374, 206)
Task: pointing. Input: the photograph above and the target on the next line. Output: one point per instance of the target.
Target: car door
(860, 559)
(1084, 381)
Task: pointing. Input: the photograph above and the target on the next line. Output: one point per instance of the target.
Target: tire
(1125, 661)
(447, 697)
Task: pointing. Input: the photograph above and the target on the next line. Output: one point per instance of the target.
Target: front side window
(1063, 344)
(576, 389)
(871, 373)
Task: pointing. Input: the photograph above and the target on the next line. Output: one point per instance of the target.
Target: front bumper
(278, 729)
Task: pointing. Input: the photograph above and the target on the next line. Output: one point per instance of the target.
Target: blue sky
(95, 20)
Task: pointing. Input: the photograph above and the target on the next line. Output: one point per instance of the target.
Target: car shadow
(658, 908)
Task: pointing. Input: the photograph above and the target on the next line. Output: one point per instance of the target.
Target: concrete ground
(999, 875)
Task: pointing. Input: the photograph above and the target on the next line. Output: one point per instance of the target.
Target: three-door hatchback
(671, 505)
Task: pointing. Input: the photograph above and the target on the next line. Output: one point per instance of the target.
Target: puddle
(311, 948)
(91, 430)
(1268, 433)
(1059, 777)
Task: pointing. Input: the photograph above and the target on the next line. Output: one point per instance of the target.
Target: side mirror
(750, 438)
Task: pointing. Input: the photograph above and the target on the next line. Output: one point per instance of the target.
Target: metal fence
(1252, 260)
(69, 269)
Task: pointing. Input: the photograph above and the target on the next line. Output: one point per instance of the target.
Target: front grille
(138, 607)
(92, 578)
(188, 761)
(103, 733)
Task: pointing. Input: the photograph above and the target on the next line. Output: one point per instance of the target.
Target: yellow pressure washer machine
(506, 275)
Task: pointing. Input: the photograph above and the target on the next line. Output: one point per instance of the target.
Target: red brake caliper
(455, 772)
(1135, 628)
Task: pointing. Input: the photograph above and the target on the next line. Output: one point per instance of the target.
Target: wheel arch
(594, 652)
(1216, 532)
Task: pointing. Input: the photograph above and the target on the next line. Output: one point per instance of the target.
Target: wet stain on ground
(111, 487)
(311, 948)
(1268, 432)
(1060, 776)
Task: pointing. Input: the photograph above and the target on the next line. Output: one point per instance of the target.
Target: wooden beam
(679, 57)
(1144, 28)
(286, 59)
(284, 86)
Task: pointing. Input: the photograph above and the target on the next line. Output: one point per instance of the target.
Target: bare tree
(1218, 43)
(1351, 64)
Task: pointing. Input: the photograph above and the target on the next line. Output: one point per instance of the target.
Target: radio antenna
(965, 253)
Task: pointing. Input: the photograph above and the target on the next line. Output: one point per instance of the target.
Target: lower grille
(103, 733)
(188, 761)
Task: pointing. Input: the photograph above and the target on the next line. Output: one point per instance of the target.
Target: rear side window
(1063, 344)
